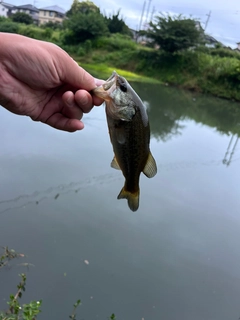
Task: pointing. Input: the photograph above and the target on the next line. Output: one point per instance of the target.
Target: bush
(3, 19)
(52, 25)
(22, 17)
(32, 32)
(222, 52)
(115, 42)
(10, 27)
(81, 27)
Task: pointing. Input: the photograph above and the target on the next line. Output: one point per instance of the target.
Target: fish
(129, 132)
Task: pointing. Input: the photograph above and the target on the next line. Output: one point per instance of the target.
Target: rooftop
(54, 8)
(28, 7)
(7, 5)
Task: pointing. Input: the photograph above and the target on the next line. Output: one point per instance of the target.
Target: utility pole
(140, 24)
(153, 11)
(146, 21)
(227, 159)
(208, 18)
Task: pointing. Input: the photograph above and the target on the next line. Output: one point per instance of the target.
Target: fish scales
(131, 155)
(129, 134)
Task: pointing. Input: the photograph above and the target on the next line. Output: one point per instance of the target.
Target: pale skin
(40, 80)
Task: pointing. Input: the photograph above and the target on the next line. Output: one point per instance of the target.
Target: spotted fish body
(129, 133)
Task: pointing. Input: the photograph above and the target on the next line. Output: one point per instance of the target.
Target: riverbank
(198, 70)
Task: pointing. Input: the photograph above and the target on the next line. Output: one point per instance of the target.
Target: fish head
(118, 96)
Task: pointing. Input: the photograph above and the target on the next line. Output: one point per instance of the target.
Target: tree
(82, 7)
(22, 17)
(82, 27)
(117, 25)
(176, 33)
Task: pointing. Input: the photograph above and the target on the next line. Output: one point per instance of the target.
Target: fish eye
(123, 87)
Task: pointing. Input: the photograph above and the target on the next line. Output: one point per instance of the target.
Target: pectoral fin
(150, 168)
(114, 164)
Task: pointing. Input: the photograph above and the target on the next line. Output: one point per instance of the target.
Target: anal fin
(150, 168)
(114, 164)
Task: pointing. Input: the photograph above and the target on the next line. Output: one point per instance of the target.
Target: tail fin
(132, 198)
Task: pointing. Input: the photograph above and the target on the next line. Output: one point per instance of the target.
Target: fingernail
(69, 101)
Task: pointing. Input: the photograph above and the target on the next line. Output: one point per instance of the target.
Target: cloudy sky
(224, 22)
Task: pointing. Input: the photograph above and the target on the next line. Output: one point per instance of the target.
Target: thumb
(76, 76)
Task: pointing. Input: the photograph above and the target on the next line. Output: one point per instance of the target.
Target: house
(28, 9)
(238, 47)
(210, 41)
(51, 14)
(5, 9)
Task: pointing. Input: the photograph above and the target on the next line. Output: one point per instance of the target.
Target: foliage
(175, 33)
(35, 32)
(73, 315)
(223, 52)
(84, 7)
(17, 311)
(115, 41)
(3, 19)
(82, 27)
(52, 25)
(22, 17)
(8, 26)
(28, 311)
(117, 25)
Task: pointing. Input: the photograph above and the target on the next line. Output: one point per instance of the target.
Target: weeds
(28, 311)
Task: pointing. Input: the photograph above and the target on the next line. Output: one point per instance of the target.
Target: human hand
(42, 81)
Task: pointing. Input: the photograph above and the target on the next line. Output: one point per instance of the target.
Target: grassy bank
(104, 71)
(202, 70)
(213, 71)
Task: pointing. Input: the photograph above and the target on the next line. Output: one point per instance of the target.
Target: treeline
(84, 22)
(174, 49)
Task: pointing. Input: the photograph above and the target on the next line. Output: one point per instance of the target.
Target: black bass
(129, 133)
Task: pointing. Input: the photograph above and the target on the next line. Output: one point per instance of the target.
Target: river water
(177, 257)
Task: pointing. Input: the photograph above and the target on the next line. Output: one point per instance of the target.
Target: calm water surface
(176, 258)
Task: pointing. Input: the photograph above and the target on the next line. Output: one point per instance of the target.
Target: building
(53, 14)
(28, 9)
(5, 9)
(238, 46)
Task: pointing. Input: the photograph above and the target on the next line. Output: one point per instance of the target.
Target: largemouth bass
(129, 133)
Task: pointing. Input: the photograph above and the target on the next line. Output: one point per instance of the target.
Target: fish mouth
(110, 81)
(104, 90)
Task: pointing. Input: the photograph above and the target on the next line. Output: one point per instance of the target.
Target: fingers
(71, 73)
(60, 122)
(79, 102)
(84, 100)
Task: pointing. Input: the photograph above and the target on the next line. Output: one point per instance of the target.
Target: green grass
(103, 71)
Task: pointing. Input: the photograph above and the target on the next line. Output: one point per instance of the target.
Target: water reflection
(178, 257)
(169, 106)
(228, 157)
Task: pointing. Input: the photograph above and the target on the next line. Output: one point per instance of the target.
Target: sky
(223, 23)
